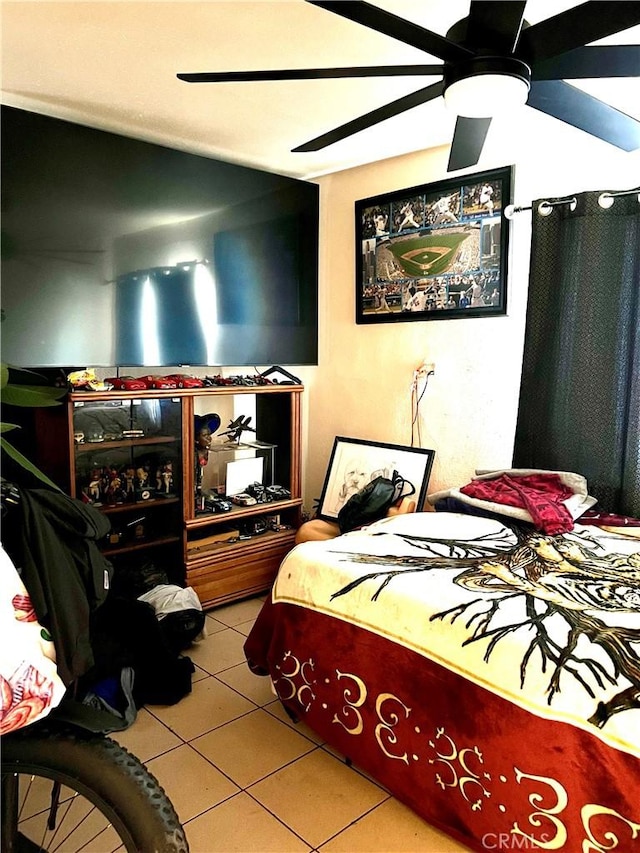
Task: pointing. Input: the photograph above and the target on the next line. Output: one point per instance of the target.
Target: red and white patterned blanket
(487, 674)
(30, 686)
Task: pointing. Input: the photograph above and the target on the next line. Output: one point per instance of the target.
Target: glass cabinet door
(127, 451)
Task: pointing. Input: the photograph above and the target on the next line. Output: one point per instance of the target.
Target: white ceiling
(112, 65)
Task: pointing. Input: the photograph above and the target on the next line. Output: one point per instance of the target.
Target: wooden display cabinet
(133, 456)
(225, 558)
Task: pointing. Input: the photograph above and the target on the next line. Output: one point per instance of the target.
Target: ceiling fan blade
(399, 28)
(577, 27)
(614, 60)
(577, 108)
(310, 73)
(496, 24)
(415, 99)
(468, 141)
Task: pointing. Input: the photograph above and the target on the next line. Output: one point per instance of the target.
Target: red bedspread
(488, 680)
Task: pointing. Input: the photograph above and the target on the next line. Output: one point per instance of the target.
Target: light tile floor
(243, 777)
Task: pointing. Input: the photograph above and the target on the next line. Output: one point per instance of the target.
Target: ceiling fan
(491, 60)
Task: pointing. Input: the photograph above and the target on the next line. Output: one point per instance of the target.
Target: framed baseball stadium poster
(434, 252)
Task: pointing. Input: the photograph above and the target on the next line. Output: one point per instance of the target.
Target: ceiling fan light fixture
(486, 86)
(486, 95)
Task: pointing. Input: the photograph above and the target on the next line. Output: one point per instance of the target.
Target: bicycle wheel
(64, 791)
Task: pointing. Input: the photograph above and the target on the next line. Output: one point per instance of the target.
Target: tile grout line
(246, 789)
(280, 820)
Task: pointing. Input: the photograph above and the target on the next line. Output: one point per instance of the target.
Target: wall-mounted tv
(120, 252)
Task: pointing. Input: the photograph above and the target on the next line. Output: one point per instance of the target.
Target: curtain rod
(605, 200)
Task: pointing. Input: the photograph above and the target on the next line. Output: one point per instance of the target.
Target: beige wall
(362, 385)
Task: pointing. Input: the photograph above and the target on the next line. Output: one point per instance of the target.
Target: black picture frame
(436, 251)
(355, 461)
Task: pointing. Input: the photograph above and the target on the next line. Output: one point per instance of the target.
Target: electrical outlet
(427, 368)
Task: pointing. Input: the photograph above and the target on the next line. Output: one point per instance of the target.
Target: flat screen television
(118, 252)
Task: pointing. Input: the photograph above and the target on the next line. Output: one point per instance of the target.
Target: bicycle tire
(132, 803)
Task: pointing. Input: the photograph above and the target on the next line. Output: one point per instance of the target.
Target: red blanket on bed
(540, 494)
(478, 767)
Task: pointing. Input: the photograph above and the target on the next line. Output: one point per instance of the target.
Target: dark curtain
(579, 404)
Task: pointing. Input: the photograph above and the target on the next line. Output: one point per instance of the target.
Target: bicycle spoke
(52, 840)
(90, 841)
(50, 823)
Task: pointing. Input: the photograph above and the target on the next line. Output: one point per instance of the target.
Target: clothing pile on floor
(118, 641)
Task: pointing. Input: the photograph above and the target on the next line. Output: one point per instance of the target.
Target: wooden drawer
(238, 572)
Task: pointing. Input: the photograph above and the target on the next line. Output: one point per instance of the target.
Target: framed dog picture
(434, 252)
(355, 462)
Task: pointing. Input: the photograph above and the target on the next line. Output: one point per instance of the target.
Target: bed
(487, 674)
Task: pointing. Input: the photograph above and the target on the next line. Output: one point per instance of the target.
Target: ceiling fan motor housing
(485, 86)
(491, 80)
(496, 65)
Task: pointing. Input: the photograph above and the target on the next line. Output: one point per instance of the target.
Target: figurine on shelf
(203, 443)
(129, 478)
(94, 491)
(142, 477)
(143, 492)
(114, 489)
(164, 478)
(205, 426)
(107, 475)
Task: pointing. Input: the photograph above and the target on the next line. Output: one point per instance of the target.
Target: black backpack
(372, 501)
